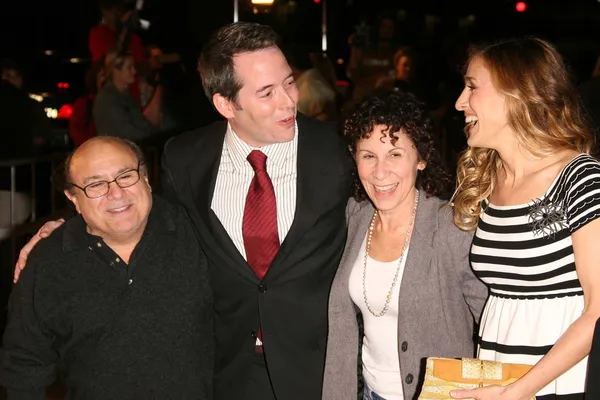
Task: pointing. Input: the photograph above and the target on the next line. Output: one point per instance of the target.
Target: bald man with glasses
(118, 296)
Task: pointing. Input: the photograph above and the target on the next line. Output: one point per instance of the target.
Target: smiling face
(123, 212)
(265, 110)
(388, 172)
(486, 117)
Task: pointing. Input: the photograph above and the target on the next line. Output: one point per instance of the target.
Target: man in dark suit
(267, 191)
(273, 238)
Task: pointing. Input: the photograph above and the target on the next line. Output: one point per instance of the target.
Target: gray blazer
(440, 298)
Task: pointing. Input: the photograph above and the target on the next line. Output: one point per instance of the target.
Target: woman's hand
(489, 393)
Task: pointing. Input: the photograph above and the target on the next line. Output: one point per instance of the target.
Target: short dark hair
(216, 60)
(399, 113)
(63, 173)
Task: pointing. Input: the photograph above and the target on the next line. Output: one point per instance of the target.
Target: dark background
(182, 25)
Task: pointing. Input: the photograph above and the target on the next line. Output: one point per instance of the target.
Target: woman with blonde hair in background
(116, 113)
(530, 190)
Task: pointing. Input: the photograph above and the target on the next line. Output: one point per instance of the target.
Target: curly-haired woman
(531, 191)
(405, 266)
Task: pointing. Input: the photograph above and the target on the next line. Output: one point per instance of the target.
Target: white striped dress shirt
(235, 175)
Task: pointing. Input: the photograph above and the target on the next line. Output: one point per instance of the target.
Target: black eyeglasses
(98, 189)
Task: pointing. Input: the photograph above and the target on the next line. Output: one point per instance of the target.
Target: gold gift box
(443, 375)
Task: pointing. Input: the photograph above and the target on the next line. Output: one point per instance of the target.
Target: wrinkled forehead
(104, 160)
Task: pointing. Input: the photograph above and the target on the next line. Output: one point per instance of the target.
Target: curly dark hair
(399, 113)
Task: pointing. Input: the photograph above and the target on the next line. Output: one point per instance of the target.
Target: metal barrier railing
(11, 165)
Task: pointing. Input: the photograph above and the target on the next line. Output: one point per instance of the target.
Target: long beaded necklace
(388, 298)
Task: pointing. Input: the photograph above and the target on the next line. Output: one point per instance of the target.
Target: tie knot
(258, 160)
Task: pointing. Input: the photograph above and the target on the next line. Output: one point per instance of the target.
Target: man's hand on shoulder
(44, 232)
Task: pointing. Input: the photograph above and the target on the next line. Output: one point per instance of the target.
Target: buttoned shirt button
(262, 288)
(99, 244)
(130, 281)
(409, 379)
(404, 346)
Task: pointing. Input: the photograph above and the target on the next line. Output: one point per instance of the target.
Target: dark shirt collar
(76, 237)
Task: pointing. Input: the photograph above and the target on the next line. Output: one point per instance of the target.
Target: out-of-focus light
(521, 6)
(65, 112)
(63, 85)
(36, 97)
(75, 60)
(48, 52)
(316, 1)
(340, 61)
(342, 84)
(144, 24)
(51, 113)
(255, 10)
(262, 1)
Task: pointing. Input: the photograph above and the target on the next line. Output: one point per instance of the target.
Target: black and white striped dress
(524, 254)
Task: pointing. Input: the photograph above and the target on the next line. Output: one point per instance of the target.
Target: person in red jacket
(103, 38)
(81, 123)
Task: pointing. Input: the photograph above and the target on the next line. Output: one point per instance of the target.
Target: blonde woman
(115, 112)
(531, 192)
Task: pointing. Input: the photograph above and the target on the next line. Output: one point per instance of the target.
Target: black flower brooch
(546, 217)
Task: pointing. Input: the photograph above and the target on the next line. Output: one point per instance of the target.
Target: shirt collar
(278, 153)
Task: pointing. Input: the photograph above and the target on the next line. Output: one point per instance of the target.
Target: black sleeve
(167, 184)
(28, 359)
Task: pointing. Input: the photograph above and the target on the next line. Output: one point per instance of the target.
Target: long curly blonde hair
(543, 111)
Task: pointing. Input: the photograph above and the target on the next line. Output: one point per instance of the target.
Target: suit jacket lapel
(202, 173)
(313, 178)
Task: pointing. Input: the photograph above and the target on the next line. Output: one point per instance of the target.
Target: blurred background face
(387, 171)
(154, 55)
(122, 212)
(404, 68)
(14, 77)
(125, 74)
(112, 15)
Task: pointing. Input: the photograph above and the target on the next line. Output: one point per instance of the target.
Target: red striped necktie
(259, 227)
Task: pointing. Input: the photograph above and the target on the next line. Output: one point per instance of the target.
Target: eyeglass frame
(84, 189)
